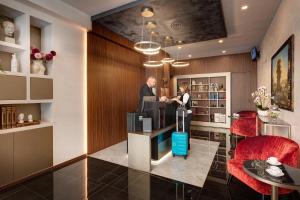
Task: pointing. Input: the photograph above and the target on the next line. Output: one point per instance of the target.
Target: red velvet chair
(245, 125)
(261, 148)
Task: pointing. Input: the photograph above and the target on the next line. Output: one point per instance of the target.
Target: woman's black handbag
(182, 111)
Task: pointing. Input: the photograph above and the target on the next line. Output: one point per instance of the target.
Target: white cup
(273, 160)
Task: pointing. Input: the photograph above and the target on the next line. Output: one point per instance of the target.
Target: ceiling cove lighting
(179, 63)
(145, 46)
(166, 59)
(244, 7)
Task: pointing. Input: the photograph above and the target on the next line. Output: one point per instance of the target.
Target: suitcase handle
(177, 121)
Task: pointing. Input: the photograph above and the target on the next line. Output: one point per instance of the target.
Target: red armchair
(245, 125)
(260, 148)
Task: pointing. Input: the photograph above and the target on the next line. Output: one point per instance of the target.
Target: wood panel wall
(243, 72)
(243, 76)
(114, 77)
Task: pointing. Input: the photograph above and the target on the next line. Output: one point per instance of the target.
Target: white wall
(69, 77)
(285, 23)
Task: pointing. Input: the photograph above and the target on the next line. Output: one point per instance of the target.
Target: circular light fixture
(244, 7)
(167, 60)
(189, 55)
(151, 25)
(147, 12)
(223, 51)
(220, 41)
(153, 63)
(150, 53)
(147, 46)
(180, 64)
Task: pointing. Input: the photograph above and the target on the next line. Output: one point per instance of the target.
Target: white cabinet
(210, 97)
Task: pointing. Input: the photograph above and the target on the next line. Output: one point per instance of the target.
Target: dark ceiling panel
(187, 20)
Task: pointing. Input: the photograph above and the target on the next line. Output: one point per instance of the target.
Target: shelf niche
(39, 30)
(6, 48)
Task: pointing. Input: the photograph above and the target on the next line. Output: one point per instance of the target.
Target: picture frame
(282, 75)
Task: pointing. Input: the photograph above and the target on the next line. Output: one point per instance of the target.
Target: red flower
(32, 56)
(35, 50)
(53, 53)
(49, 56)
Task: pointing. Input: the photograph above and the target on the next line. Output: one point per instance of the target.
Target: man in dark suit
(146, 90)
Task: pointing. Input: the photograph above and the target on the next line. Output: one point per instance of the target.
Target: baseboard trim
(47, 170)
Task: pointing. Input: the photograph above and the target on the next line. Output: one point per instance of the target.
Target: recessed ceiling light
(189, 55)
(223, 51)
(179, 47)
(220, 41)
(244, 7)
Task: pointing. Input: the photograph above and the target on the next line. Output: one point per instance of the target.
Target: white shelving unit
(10, 47)
(26, 128)
(206, 107)
(21, 48)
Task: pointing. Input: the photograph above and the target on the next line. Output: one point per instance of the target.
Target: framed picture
(282, 75)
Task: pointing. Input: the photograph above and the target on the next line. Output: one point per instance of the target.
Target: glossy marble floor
(96, 179)
(193, 171)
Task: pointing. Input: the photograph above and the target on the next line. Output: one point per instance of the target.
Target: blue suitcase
(180, 140)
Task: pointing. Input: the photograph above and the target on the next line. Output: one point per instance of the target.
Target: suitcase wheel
(173, 155)
(185, 157)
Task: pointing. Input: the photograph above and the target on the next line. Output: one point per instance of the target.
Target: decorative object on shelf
(262, 100)
(14, 63)
(1, 67)
(274, 111)
(21, 118)
(213, 96)
(9, 29)
(13, 116)
(193, 82)
(219, 118)
(39, 59)
(282, 75)
(30, 118)
(26, 123)
(3, 118)
(8, 117)
(221, 88)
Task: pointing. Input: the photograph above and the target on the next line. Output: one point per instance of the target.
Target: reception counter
(142, 147)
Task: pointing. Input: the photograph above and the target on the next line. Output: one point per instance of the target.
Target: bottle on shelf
(14, 63)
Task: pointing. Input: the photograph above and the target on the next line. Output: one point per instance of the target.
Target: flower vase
(263, 113)
(38, 67)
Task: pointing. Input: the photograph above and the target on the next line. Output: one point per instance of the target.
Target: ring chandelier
(145, 46)
(179, 63)
(167, 39)
(153, 63)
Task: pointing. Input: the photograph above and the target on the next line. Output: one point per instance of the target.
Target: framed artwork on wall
(282, 75)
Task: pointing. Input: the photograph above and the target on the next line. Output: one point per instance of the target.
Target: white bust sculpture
(30, 118)
(21, 118)
(9, 29)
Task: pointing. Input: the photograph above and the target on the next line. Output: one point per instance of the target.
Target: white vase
(37, 67)
(263, 113)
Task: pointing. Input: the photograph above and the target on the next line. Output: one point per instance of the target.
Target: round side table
(257, 170)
